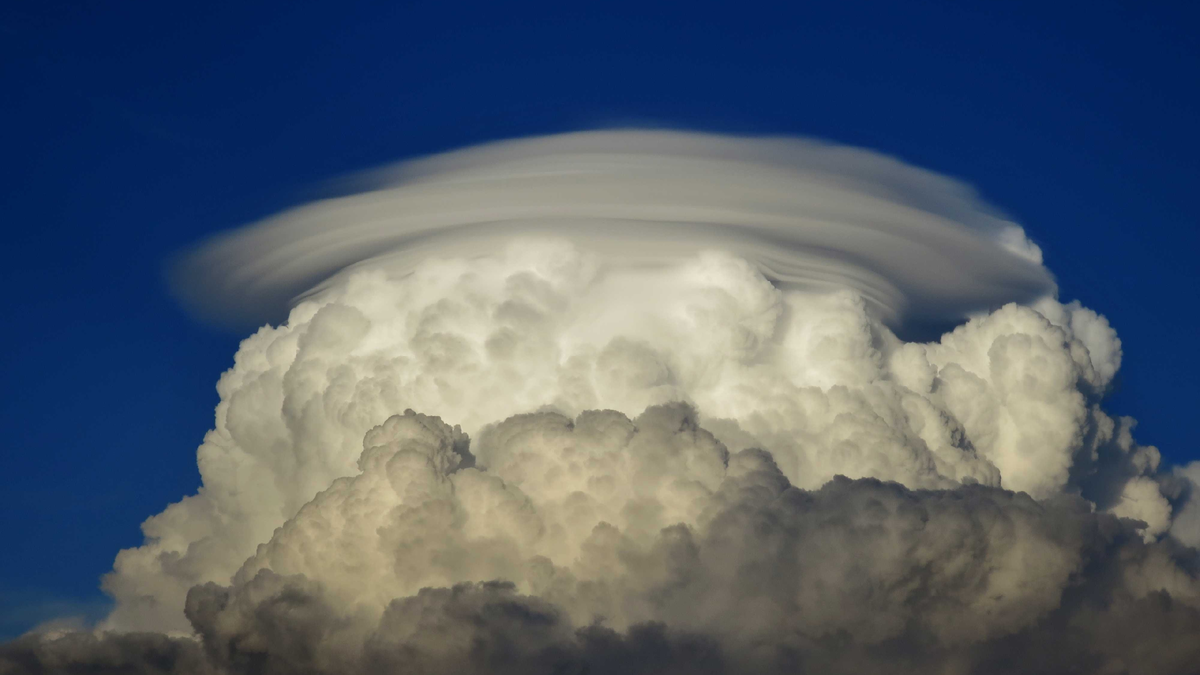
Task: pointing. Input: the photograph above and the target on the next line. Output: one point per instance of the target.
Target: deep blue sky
(128, 130)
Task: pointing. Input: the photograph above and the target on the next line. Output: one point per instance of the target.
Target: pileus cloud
(688, 435)
(914, 245)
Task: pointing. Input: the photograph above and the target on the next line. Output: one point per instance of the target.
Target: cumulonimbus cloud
(689, 437)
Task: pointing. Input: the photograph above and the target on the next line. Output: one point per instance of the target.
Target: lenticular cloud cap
(918, 246)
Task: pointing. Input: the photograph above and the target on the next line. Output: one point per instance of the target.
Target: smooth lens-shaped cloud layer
(913, 244)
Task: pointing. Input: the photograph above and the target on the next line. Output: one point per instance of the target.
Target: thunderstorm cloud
(651, 402)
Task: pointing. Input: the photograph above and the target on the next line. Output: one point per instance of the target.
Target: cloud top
(916, 245)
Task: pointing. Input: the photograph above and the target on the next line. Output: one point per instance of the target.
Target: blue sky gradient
(133, 129)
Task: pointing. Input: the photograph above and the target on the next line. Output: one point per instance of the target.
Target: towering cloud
(691, 436)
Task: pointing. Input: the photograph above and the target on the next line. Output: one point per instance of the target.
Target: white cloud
(915, 245)
(1008, 399)
(700, 439)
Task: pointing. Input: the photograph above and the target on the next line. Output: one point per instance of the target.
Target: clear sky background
(129, 130)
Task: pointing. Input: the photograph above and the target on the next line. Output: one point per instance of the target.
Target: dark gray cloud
(81, 653)
(857, 576)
